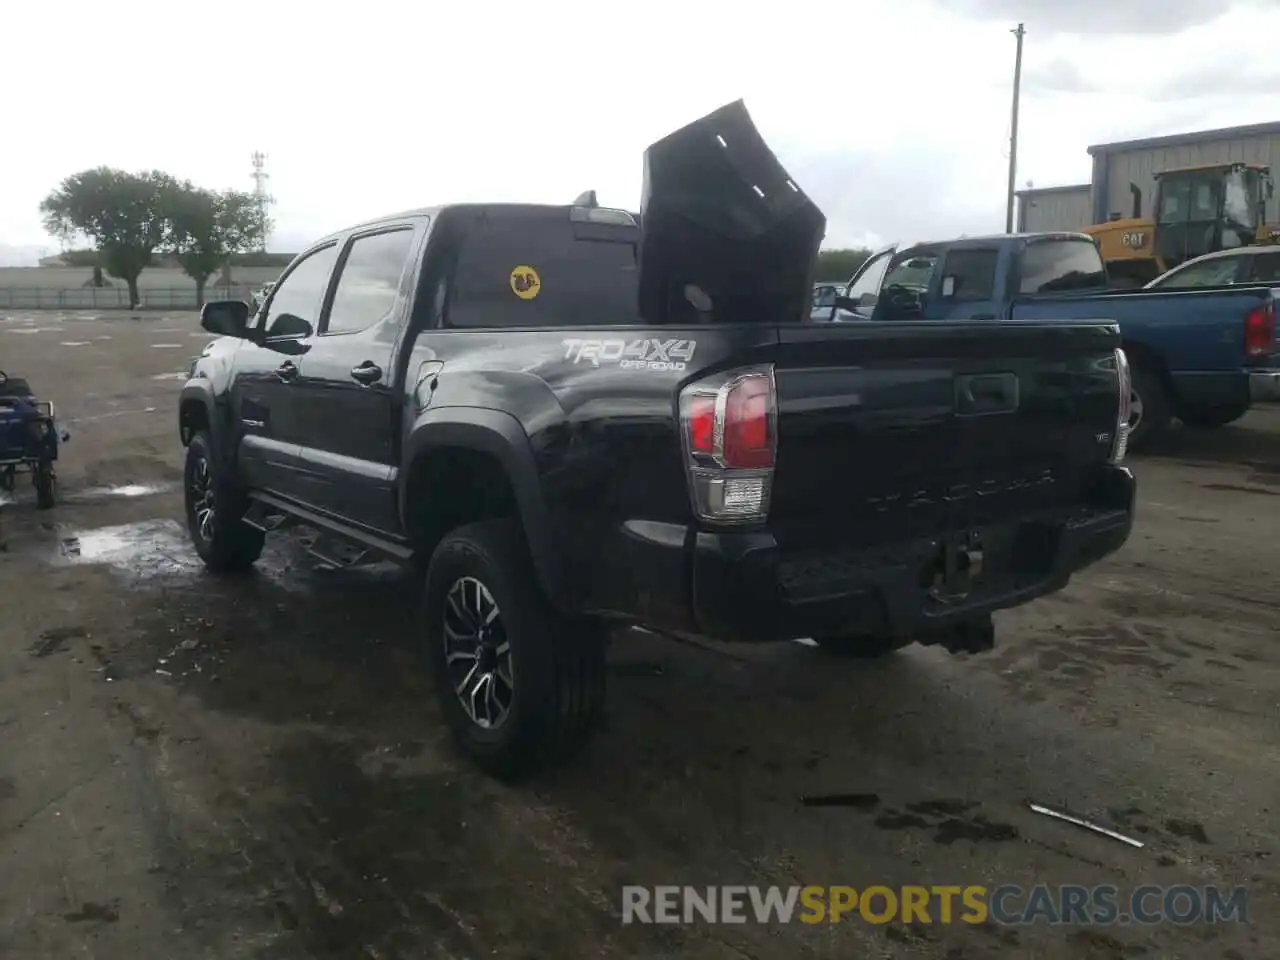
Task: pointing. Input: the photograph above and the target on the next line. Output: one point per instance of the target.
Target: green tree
(123, 213)
(206, 228)
(839, 264)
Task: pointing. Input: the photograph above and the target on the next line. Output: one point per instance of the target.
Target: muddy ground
(199, 768)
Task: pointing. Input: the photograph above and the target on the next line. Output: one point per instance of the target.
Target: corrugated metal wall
(1137, 166)
(1054, 209)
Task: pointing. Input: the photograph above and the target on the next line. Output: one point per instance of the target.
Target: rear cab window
(540, 267)
(1060, 265)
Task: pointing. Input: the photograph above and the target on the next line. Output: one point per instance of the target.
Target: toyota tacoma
(570, 418)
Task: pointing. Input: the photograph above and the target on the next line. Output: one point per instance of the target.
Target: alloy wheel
(202, 499)
(477, 653)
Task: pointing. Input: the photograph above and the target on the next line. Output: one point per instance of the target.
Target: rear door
(263, 378)
(347, 403)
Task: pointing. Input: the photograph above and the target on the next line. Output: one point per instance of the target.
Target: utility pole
(1020, 32)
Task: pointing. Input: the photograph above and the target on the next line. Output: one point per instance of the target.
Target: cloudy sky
(892, 114)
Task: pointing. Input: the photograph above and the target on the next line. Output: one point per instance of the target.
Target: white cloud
(894, 116)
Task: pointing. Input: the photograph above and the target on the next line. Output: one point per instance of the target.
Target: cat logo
(525, 282)
(1133, 239)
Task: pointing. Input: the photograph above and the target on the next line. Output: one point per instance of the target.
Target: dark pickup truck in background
(1203, 356)
(570, 422)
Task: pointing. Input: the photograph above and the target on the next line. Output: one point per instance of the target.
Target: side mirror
(286, 326)
(227, 318)
(948, 286)
(848, 303)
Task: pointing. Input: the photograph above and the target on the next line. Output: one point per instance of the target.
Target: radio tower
(264, 199)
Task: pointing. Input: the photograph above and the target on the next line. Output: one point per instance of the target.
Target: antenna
(264, 199)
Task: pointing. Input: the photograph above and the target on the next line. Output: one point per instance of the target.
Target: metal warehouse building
(1118, 165)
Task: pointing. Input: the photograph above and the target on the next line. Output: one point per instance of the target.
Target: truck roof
(445, 208)
(998, 238)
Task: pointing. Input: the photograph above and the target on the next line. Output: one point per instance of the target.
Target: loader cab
(1203, 209)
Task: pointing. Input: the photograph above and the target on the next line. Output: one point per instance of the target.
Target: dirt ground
(255, 768)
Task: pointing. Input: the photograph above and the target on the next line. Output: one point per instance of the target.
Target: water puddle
(163, 346)
(74, 343)
(24, 330)
(180, 375)
(152, 548)
(127, 490)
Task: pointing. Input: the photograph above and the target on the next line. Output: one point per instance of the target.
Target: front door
(263, 411)
(346, 392)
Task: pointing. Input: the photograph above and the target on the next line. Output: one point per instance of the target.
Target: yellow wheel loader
(1196, 210)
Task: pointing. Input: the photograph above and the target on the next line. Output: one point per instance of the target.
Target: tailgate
(894, 431)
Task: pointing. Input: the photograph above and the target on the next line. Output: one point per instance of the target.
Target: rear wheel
(1149, 412)
(521, 687)
(1209, 418)
(215, 512)
(860, 646)
(46, 481)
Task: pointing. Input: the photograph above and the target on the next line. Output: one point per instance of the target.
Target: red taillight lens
(747, 440)
(702, 423)
(1260, 331)
(729, 421)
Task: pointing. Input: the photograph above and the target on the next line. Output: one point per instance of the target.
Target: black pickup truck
(570, 417)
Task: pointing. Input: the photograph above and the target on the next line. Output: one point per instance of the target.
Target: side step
(338, 545)
(262, 516)
(335, 552)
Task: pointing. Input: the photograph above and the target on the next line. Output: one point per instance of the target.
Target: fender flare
(198, 391)
(500, 435)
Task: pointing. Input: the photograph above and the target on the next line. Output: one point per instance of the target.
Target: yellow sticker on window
(525, 282)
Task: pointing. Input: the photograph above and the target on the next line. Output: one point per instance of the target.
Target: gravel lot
(197, 768)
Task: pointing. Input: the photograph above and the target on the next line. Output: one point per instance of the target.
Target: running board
(265, 517)
(338, 545)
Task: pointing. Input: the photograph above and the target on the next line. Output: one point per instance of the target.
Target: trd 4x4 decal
(647, 354)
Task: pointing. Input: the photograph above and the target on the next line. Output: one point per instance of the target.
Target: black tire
(554, 685)
(224, 542)
(1151, 406)
(46, 486)
(1210, 418)
(860, 646)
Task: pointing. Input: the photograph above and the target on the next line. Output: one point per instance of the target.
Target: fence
(116, 298)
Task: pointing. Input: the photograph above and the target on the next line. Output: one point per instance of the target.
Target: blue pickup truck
(1201, 355)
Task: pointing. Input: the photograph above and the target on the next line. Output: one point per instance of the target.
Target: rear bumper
(746, 588)
(1229, 389)
(1264, 386)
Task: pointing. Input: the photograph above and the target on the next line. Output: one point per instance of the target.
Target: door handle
(986, 393)
(287, 371)
(366, 374)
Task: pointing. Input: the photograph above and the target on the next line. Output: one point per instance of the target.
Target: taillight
(1124, 410)
(729, 424)
(1260, 330)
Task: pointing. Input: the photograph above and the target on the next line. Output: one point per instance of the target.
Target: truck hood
(718, 212)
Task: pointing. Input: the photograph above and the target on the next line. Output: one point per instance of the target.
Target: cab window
(300, 295)
(1266, 267)
(1057, 266)
(1214, 272)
